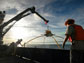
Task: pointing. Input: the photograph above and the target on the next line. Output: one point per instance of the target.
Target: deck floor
(15, 59)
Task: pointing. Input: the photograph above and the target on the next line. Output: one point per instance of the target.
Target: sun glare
(19, 32)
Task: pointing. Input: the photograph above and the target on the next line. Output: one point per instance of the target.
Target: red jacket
(79, 33)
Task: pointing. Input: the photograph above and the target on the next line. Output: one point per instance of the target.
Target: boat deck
(15, 59)
(36, 55)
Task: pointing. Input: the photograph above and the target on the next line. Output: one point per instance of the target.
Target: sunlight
(19, 32)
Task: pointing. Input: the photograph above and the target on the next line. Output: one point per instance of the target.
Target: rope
(32, 39)
(58, 36)
(56, 43)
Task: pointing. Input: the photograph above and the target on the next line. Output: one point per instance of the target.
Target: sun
(19, 32)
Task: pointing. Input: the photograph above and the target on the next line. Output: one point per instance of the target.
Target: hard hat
(69, 21)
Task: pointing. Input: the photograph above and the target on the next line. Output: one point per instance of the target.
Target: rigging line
(56, 43)
(44, 40)
(58, 36)
(47, 26)
(32, 39)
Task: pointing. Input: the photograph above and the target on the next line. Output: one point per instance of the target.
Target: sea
(49, 46)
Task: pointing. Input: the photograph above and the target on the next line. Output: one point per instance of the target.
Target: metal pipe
(33, 11)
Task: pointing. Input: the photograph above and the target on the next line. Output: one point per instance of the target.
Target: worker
(13, 46)
(75, 34)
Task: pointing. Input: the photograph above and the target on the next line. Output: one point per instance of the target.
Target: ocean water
(50, 46)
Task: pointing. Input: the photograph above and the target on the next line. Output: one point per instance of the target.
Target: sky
(31, 26)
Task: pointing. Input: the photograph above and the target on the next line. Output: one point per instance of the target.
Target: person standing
(75, 34)
(13, 47)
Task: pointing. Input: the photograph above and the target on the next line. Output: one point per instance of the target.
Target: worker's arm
(69, 31)
(65, 40)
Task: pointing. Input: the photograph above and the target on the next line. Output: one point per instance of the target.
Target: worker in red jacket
(75, 34)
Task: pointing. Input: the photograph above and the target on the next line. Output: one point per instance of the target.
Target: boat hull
(43, 55)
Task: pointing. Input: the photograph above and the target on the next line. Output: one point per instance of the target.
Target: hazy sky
(56, 11)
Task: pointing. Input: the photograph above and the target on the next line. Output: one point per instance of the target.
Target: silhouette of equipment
(33, 11)
(48, 33)
(21, 15)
